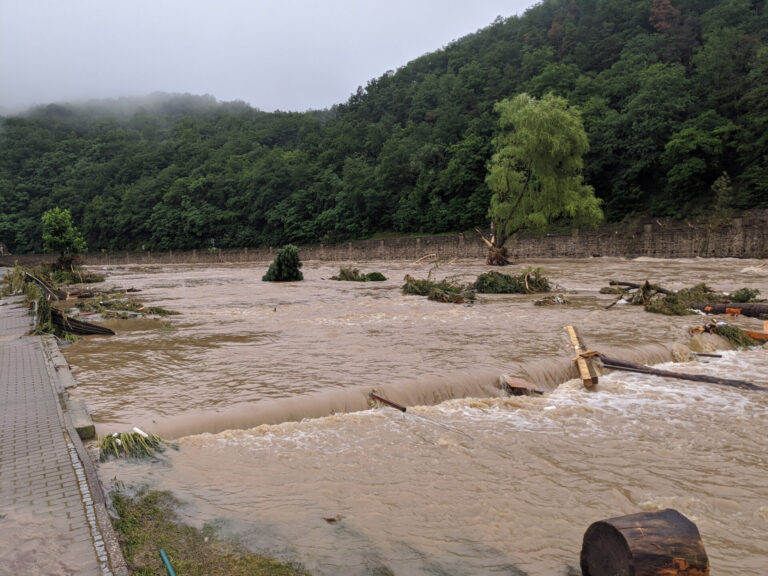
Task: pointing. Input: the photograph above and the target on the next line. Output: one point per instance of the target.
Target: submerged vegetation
(148, 522)
(529, 281)
(455, 291)
(735, 335)
(285, 267)
(354, 275)
(135, 444)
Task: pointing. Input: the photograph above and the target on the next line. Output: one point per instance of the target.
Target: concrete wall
(742, 237)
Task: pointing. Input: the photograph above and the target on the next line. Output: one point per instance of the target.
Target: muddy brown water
(265, 387)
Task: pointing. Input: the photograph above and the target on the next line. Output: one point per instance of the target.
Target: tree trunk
(616, 364)
(663, 543)
(753, 309)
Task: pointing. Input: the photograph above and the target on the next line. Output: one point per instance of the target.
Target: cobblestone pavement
(47, 523)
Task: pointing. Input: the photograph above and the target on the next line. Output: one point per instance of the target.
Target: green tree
(60, 235)
(285, 267)
(535, 173)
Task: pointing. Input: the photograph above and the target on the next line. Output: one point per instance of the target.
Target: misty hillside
(673, 94)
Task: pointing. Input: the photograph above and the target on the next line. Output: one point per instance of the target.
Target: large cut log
(663, 543)
(616, 364)
(752, 309)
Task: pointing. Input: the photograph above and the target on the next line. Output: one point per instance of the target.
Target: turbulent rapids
(266, 387)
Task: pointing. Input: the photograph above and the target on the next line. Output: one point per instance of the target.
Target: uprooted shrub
(528, 282)
(354, 275)
(285, 267)
(735, 335)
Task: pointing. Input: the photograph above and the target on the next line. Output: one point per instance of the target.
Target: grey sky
(286, 54)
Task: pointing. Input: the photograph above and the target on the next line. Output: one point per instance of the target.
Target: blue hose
(167, 563)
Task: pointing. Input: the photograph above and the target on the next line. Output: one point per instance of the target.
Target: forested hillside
(672, 92)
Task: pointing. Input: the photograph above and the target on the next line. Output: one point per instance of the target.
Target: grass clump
(354, 275)
(529, 281)
(136, 444)
(148, 522)
(285, 266)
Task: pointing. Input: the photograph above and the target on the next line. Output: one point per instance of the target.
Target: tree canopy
(535, 173)
(672, 94)
(61, 236)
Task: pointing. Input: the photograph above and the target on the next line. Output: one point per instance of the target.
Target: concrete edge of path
(61, 375)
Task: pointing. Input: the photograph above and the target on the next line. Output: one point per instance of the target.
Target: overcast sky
(273, 54)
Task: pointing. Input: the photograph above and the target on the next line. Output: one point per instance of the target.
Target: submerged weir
(267, 387)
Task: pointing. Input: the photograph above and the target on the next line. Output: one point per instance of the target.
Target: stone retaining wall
(742, 237)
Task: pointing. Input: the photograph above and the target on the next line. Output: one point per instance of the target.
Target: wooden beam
(587, 372)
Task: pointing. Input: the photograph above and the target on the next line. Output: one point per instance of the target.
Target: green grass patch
(148, 522)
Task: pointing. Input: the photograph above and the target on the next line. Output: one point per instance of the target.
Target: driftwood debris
(646, 286)
(616, 364)
(751, 309)
(662, 543)
(587, 371)
(383, 400)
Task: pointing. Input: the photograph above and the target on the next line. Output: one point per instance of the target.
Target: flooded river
(265, 387)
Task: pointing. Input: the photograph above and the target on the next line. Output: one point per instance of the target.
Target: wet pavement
(45, 496)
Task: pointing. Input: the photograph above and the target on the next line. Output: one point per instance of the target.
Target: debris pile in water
(446, 290)
(558, 300)
(354, 275)
(676, 303)
(530, 281)
(735, 335)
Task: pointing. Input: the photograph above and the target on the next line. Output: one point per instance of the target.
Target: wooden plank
(517, 387)
(587, 373)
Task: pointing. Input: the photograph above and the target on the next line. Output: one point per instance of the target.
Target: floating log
(616, 364)
(752, 309)
(388, 402)
(663, 543)
(77, 326)
(587, 371)
(646, 286)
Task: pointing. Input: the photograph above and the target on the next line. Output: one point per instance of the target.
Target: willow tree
(535, 171)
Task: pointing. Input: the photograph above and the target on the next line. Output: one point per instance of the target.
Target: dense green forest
(672, 94)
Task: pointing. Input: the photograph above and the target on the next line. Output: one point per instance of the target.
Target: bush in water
(285, 267)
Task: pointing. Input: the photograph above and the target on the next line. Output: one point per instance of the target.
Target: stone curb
(79, 425)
